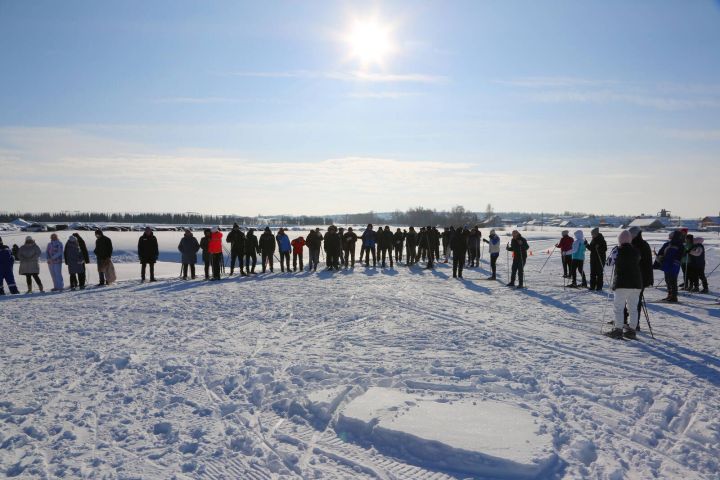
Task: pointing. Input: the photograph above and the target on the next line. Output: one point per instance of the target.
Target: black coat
(103, 248)
(627, 268)
(646, 260)
(333, 243)
(251, 244)
(236, 239)
(459, 242)
(267, 243)
(205, 244)
(189, 247)
(83, 247)
(398, 239)
(388, 239)
(350, 239)
(519, 247)
(148, 249)
(411, 239)
(598, 250)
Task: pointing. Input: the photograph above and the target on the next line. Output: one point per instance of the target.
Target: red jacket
(565, 244)
(298, 245)
(215, 245)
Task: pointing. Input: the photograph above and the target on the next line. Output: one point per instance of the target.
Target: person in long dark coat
(189, 247)
(597, 248)
(205, 246)
(251, 250)
(236, 239)
(148, 252)
(267, 249)
(75, 262)
(459, 246)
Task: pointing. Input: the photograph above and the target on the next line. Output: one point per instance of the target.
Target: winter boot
(511, 284)
(629, 333)
(616, 333)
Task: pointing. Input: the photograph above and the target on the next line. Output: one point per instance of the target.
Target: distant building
(710, 222)
(647, 223)
(490, 222)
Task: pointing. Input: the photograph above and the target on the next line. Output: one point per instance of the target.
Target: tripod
(647, 315)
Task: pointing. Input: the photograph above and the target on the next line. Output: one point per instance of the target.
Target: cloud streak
(349, 76)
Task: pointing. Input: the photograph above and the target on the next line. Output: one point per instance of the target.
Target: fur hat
(624, 237)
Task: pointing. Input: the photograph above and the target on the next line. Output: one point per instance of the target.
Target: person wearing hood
(284, 248)
(349, 241)
(215, 249)
(83, 248)
(297, 247)
(577, 254)
(251, 250)
(671, 255)
(148, 253)
(411, 246)
(267, 250)
(565, 245)
(459, 246)
(54, 253)
(627, 285)
(75, 263)
(696, 266)
(598, 252)
(205, 246)
(188, 248)
(236, 239)
(368, 242)
(103, 253)
(519, 248)
(6, 270)
(494, 250)
(313, 241)
(29, 256)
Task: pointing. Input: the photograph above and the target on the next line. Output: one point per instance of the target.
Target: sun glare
(370, 42)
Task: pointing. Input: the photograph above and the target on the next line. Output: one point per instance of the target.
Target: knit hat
(624, 237)
(595, 231)
(492, 232)
(634, 231)
(565, 232)
(28, 239)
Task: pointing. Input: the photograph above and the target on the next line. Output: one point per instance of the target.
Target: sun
(370, 42)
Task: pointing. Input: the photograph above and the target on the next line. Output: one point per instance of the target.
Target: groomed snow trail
(211, 380)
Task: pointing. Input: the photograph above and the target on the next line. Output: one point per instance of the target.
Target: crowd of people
(631, 260)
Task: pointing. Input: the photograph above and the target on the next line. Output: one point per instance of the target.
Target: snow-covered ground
(366, 373)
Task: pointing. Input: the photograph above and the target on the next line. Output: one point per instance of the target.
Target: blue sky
(260, 108)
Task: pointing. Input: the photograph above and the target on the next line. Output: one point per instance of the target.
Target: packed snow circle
(400, 372)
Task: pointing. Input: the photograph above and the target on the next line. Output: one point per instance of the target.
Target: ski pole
(607, 300)
(713, 270)
(546, 261)
(647, 315)
(507, 262)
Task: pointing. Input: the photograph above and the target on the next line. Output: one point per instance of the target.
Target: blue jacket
(283, 242)
(673, 251)
(368, 238)
(6, 260)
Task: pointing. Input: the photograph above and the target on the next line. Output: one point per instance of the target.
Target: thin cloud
(383, 95)
(198, 100)
(350, 76)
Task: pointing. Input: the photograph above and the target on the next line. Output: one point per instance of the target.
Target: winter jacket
(493, 243)
(597, 248)
(446, 235)
(697, 255)
(251, 244)
(578, 247)
(103, 248)
(189, 247)
(205, 246)
(388, 239)
(473, 240)
(459, 242)
(74, 257)
(350, 239)
(83, 247)
(519, 247)
(6, 261)
(646, 260)
(297, 245)
(565, 244)
(333, 243)
(148, 248)
(267, 242)
(368, 238)
(215, 243)
(283, 242)
(672, 254)
(236, 239)
(411, 239)
(627, 268)
(29, 255)
(313, 240)
(54, 252)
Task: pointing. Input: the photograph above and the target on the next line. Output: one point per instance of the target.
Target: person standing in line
(473, 247)
(188, 248)
(333, 245)
(445, 236)
(313, 242)
(103, 254)
(236, 239)
(148, 252)
(494, 249)
(54, 252)
(696, 266)
(284, 248)
(387, 245)
(216, 251)
(627, 285)
(398, 240)
(459, 245)
(341, 233)
(205, 246)
(671, 255)
(75, 262)
(267, 249)
(411, 246)
(368, 241)
(598, 251)
(565, 245)
(519, 247)
(350, 238)
(251, 251)
(29, 256)
(646, 267)
(577, 254)
(6, 270)
(297, 247)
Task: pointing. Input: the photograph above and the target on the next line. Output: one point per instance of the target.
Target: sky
(322, 107)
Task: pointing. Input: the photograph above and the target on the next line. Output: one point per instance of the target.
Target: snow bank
(487, 438)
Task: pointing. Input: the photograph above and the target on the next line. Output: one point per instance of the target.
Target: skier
(519, 247)
(565, 245)
(350, 240)
(459, 245)
(103, 254)
(6, 269)
(205, 247)
(494, 249)
(627, 285)
(215, 249)
(29, 256)
(251, 251)
(333, 247)
(75, 262)
(297, 248)
(54, 252)
(313, 241)
(368, 241)
(267, 249)
(598, 251)
(398, 240)
(236, 239)
(284, 248)
(577, 254)
(671, 256)
(411, 246)
(646, 268)
(696, 266)
(188, 248)
(148, 253)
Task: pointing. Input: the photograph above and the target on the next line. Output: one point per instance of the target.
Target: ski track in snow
(210, 380)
